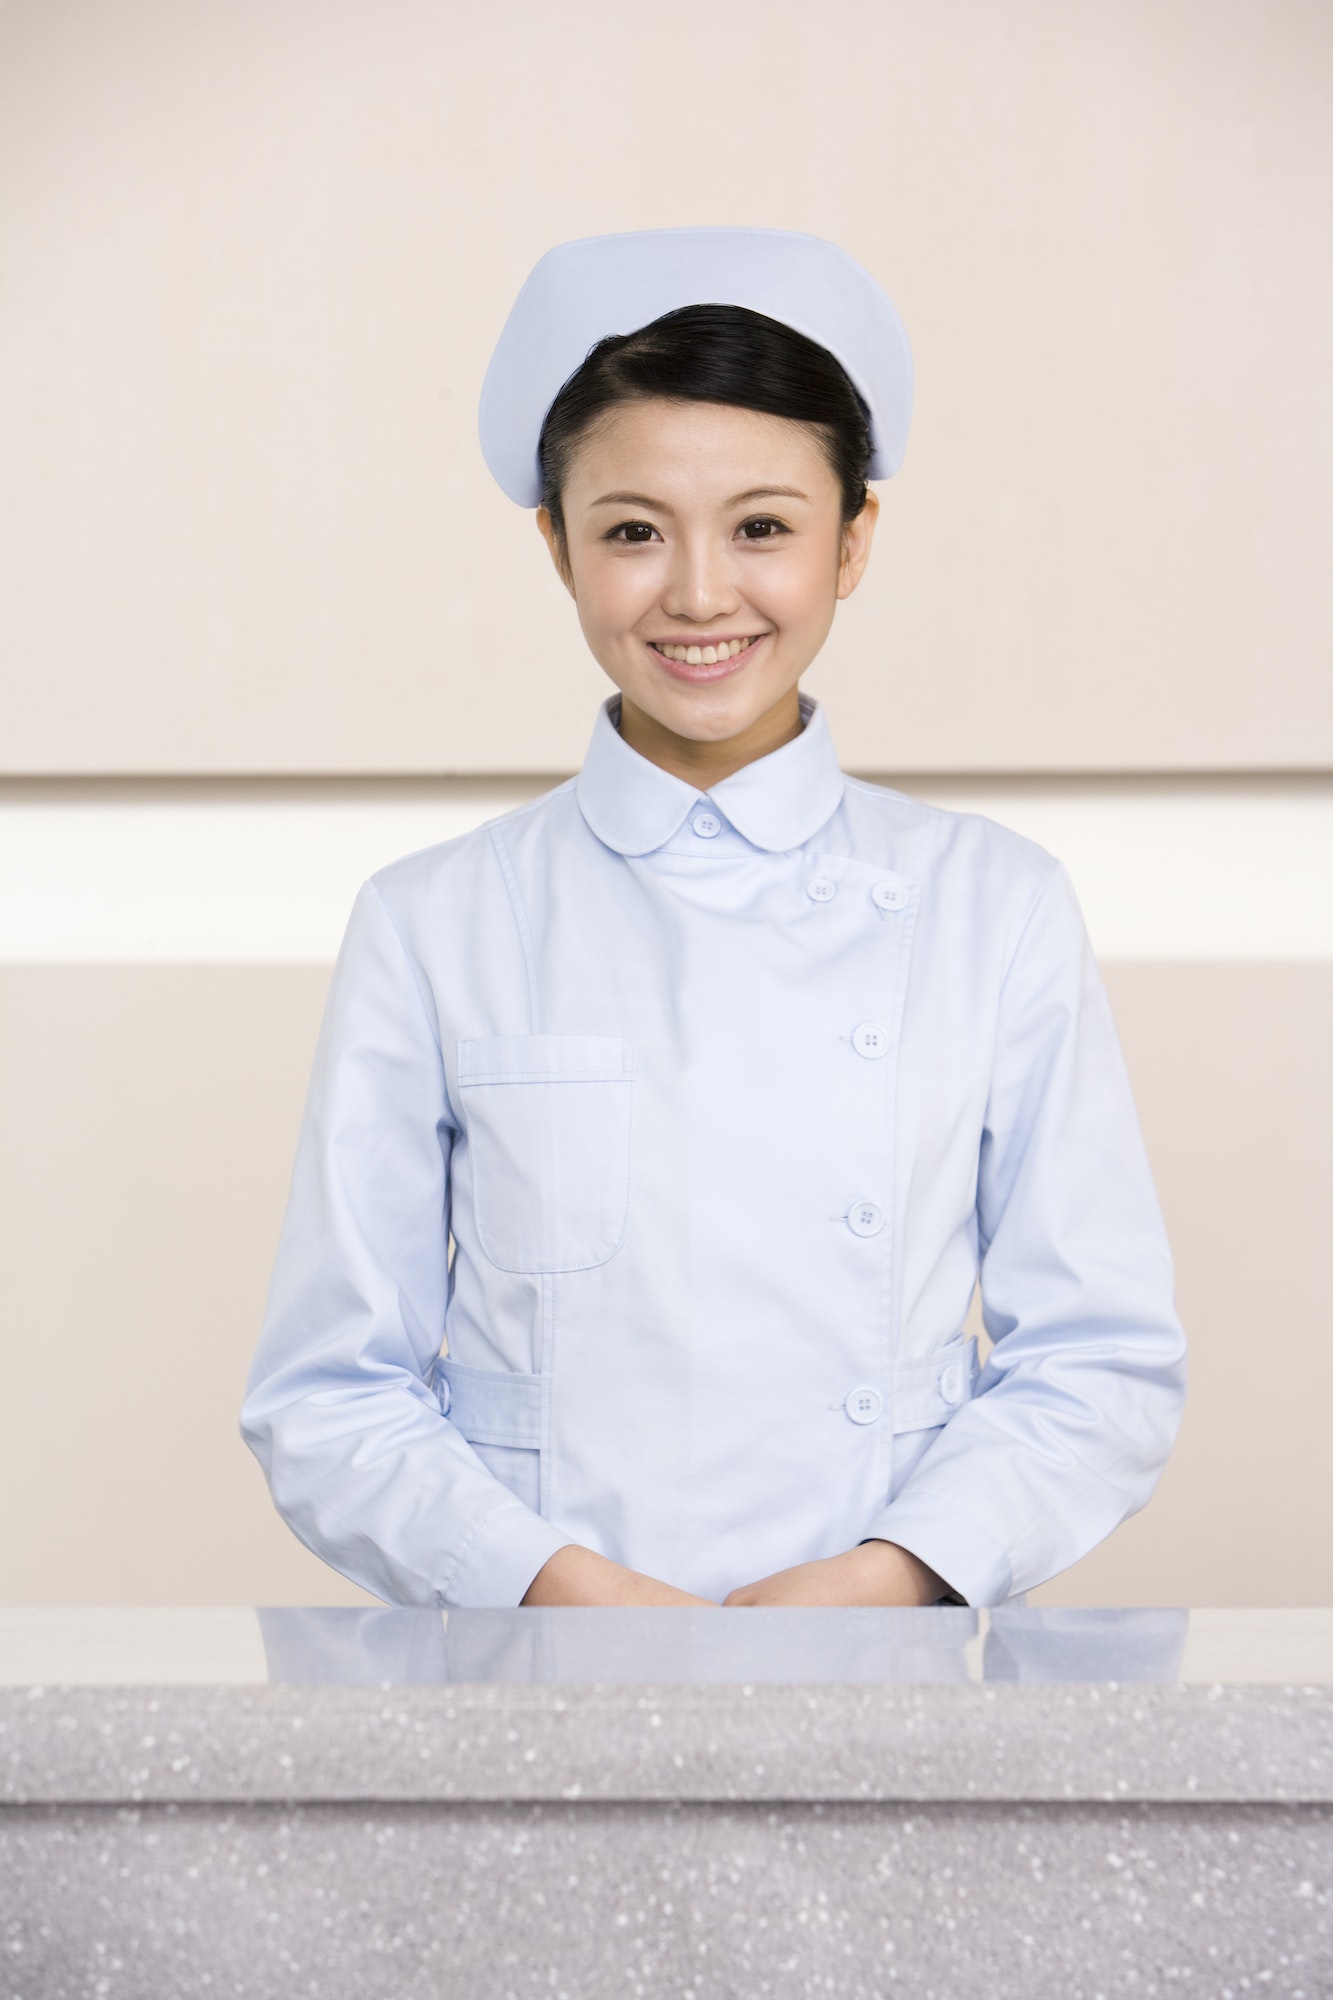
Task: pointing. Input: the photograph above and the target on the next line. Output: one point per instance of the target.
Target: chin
(705, 715)
(706, 722)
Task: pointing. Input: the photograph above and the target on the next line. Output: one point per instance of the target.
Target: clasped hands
(873, 1573)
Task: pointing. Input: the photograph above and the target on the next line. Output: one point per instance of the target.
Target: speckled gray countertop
(299, 1706)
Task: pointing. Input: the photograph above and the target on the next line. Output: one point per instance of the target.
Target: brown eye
(633, 533)
(763, 528)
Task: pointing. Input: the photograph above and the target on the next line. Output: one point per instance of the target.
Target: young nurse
(726, 1074)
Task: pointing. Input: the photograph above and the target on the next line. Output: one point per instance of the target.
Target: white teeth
(706, 656)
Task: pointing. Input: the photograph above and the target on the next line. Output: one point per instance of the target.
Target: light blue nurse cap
(580, 292)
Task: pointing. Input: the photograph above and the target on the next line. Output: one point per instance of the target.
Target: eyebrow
(660, 506)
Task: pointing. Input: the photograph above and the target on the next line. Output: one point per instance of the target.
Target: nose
(700, 587)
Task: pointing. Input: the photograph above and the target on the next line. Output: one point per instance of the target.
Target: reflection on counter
(775, 1647)
(241, 1647)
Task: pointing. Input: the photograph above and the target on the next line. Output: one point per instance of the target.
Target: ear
(857, 536)
(553, 542)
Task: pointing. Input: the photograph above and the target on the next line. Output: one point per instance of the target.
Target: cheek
(612, 595)
(802, 590)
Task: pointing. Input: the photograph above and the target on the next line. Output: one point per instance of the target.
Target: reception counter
(716, 1803)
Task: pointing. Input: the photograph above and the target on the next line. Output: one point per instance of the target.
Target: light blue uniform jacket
(725, 1101)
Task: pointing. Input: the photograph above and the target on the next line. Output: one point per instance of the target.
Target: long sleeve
(338, 1408)
(1080, 1399)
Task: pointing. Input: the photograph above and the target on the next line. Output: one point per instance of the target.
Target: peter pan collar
(777, 802)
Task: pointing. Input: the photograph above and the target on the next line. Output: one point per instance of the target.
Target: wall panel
(147, 1122)
(256, 255)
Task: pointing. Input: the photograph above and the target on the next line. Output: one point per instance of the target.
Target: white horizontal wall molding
(265, 873)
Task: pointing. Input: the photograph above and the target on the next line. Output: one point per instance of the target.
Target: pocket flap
(545, 1059)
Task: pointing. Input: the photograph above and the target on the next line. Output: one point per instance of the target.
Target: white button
(951, 1384)
(706, 825)
(443, 1393)
(863, 1405)
(870, 1040)
(865, 1218)
(889, 896)
(820, 889)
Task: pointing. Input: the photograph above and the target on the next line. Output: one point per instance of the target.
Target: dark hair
(713, 354)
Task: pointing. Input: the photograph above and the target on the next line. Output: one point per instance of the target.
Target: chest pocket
(548, 1124)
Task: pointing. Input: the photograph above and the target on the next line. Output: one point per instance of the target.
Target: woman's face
(713, 533)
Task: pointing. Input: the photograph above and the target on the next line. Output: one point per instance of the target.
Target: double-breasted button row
(887, 896)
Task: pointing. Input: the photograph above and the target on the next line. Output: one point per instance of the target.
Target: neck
(704, 764)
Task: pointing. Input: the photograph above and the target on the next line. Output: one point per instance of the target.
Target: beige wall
(149, 1117)
(255, 253)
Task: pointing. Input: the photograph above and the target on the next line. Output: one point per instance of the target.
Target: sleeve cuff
(958, 1547)
(501, 1558)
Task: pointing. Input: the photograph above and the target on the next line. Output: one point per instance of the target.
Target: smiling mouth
(707, 656)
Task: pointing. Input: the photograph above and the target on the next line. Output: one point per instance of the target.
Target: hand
(575, 1575)
(873, 1573)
